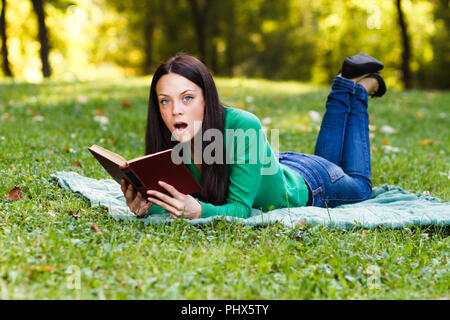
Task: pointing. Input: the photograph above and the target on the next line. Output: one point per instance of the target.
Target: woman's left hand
(178, 205)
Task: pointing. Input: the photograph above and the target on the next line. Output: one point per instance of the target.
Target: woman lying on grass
(184, 108)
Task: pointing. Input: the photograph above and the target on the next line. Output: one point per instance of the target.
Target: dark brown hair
(158, 136)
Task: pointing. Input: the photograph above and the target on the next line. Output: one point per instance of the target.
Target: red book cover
(145, 172)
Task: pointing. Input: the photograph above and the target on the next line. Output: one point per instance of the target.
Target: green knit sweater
(256, 178)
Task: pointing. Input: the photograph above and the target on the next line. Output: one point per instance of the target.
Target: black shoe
(381, 84)
(359, 64)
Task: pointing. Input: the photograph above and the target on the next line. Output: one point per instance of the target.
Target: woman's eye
(188, 98)
(164, 101)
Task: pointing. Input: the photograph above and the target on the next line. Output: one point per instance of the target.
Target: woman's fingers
(142, 209)
(129, 193)
(123, 185)
(174, 192)
(173, 211)
(135, 202)
(175, 203)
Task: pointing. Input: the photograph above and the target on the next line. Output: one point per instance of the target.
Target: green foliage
(287, 39)
(46, 239)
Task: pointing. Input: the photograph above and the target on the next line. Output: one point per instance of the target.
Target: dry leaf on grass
(126, 104)
(95, 228)
(38, 118)
(387, 129)
(101, 119)
(41, 268)
(428, 142)
(314, 115)
(76, 164)
(15, 194)
(82, 99)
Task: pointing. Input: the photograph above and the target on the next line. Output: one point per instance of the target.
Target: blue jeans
(339, 171)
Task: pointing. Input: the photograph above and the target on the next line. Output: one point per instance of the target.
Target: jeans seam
(363, 97)
(352, 199)
(344, 129)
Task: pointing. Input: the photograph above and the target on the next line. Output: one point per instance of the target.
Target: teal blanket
(388, 206)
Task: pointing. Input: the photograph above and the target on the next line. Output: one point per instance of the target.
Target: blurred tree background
(273, 39)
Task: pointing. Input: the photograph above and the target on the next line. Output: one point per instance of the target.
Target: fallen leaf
(101, 119)
(314, 115)
(49, 151)
(301, 225)
(15, 194)
(100, 112)
(76, 164)
(31, 112)
(41, 268)
(82, 99)
(95, 228)
(13, 169)
(372, 127)
(419, 115)
(430, 156)
(389, 148)
(385, 141)
(266, 120)
(126, 104)
(38, 118)
(387, 129)
(249, 99)
(428, 142)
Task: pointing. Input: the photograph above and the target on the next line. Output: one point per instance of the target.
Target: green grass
(46, 239)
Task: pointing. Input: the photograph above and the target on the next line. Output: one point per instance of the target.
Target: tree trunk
(231, 40)
(6, 68)
(199, 14)
(214, 34)
(406, 44)
(43, 36)
(149, 28)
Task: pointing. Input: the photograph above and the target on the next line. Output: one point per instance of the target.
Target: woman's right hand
(137, 204)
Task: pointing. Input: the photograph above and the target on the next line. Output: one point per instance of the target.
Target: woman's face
(181, 105)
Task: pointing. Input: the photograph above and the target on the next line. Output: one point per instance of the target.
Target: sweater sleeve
(245, 171)
(155, 209)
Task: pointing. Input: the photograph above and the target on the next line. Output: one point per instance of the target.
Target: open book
(145, 172)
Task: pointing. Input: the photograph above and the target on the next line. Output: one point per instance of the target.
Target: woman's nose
(177, 108)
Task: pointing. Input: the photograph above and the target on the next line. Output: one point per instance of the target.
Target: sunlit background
(272, 39)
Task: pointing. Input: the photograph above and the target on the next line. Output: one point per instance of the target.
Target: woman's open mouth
(180, 127)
